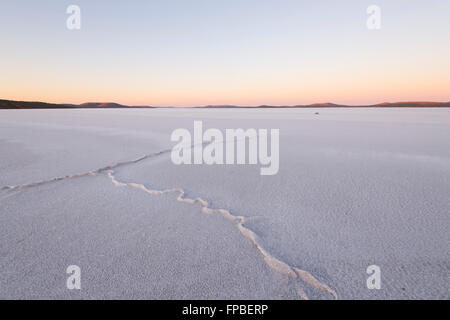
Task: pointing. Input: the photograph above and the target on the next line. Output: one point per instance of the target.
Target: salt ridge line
(271, 261)
(100, 170)
(89, 173)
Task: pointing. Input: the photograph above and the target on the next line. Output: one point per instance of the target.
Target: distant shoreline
(11, 104)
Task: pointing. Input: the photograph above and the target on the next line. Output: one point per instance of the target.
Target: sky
(217, 52)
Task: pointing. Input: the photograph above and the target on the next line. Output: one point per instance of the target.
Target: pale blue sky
(192, 52)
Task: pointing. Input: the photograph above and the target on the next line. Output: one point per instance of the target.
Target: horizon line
(12, 104)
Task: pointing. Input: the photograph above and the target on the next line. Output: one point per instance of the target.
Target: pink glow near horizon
(252, 53)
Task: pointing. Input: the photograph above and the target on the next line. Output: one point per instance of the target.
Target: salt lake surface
(355, 187)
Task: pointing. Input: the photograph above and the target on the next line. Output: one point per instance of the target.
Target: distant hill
(9, 104)
(411, 104)
(101, 105)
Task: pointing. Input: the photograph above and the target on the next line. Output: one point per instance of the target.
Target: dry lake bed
(97, 189)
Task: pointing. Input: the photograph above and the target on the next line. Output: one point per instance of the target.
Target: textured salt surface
(240, 221)
(355, 187)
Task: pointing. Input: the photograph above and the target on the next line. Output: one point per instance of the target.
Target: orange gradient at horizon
(239, 54)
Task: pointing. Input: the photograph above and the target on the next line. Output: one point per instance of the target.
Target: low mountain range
(9, 104)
